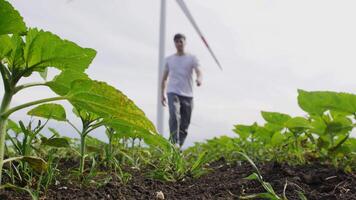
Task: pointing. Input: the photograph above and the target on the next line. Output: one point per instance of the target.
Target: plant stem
(109, 153)
(95, 126)
(83, 135)
(82, 153)
(3, 122)
(14, 109)
(27, 85)
(74, 127)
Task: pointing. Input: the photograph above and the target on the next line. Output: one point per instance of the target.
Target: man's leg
(186, 107)
(174, 117)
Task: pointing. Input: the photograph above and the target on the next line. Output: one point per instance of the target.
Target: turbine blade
(186, 12)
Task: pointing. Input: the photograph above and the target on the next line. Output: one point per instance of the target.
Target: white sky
(268, 50)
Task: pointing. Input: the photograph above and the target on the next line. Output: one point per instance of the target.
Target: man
(178, 71)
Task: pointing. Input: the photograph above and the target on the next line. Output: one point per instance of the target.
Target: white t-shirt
(180, 76)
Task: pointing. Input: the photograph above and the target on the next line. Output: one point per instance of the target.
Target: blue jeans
(180, 110)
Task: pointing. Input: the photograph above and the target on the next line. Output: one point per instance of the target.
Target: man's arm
(199, 76)
(163, 87)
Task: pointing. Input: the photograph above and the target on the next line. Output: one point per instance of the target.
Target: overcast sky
(268, 50)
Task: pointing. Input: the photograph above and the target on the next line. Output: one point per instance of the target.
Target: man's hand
(198, 82)
(199, 76)
(164, 100)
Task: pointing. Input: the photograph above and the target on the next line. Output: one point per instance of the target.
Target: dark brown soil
(223, 182)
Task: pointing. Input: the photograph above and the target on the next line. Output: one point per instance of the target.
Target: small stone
(160, 195)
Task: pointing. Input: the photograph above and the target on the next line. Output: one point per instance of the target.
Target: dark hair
(178, 36)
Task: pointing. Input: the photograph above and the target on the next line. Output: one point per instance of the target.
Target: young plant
(35, 51)
(270, 193)
(173, 166)
(90, 122)
(28, 51)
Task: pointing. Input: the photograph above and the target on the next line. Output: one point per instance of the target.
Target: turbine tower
(161, 54)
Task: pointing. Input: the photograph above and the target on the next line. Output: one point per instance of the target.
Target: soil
(225, 181)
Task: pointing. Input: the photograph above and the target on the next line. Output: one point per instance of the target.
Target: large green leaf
(49, 111)
(320, 101)
(44, 49)
(275, 117)
(61, 84)
(107, 102)
(10, 19)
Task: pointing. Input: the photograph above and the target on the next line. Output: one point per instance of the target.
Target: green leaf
(298, 123)
(318, 125)
(61, 84)
(301, 195)
(323, 141)
(340, 125)
(202, 159)
(260, 195)
(275, 117)
(85, 116)
(10, 19)
(268, 187)
(11, 48)
(49, 111)
(262, 134)
(11, 125)
(107, 102)
(44, 49)
(318, 102)
(277, 138)
(244, 131)
(55, 142)
(15, 58)
(351, 144)
(5, 45)
(252, 176)
(273, 127)
(252, 164)
(54, 131)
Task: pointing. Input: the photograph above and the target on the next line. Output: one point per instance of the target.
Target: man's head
(179, 41)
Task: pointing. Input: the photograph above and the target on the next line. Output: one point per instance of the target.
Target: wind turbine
(161, 54)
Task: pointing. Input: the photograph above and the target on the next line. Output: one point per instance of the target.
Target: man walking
(178, 71)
